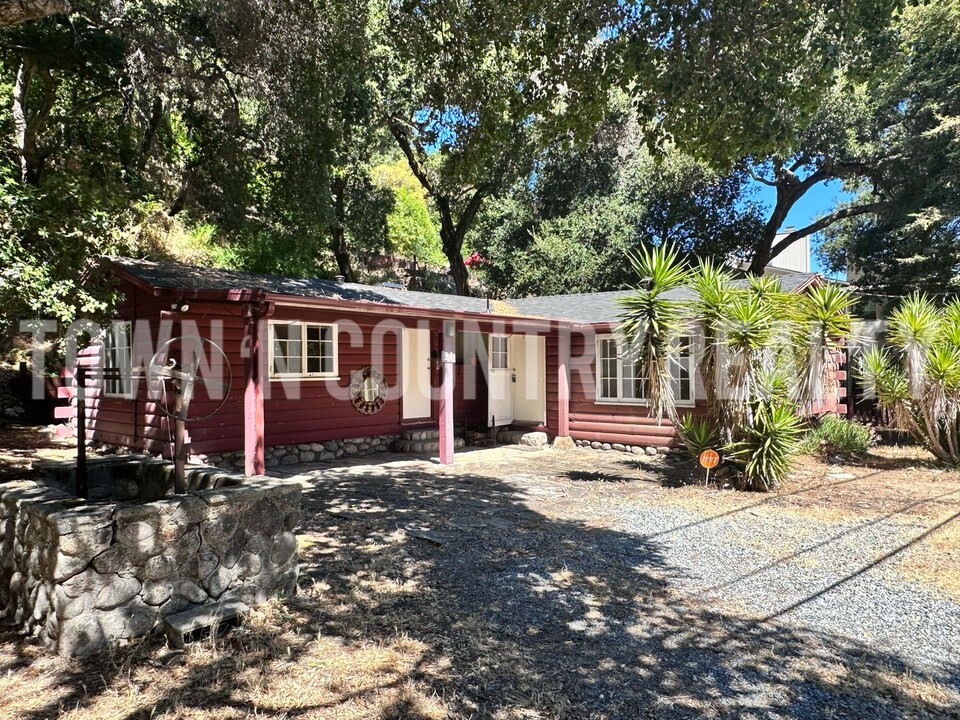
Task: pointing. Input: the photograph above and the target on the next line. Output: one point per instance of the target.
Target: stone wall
(306, 452)
(83, 576)
(635, 449)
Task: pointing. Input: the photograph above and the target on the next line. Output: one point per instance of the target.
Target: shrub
(769, 442)
(835, 435)
(698, 434)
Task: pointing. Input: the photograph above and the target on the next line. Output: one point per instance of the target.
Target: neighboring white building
(796, 258)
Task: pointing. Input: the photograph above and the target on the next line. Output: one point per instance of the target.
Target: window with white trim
(303, 350)
(620, 378)
(118, 360)
(499, 355)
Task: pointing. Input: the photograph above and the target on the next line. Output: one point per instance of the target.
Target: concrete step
(179, 625)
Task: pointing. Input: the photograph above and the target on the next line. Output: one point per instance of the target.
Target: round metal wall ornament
(368, 390)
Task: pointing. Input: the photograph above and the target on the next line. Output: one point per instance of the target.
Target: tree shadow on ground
(579, 621)
(517, 614)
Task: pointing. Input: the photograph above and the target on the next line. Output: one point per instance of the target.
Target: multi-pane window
(499, 357)
(118, 360)
(303, 350)
(622, 378)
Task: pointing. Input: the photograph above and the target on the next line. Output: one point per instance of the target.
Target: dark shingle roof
(600, 307)
(604, 307)
(180, 276)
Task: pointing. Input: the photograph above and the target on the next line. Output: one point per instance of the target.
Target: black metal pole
(179, 450)
(81, 380)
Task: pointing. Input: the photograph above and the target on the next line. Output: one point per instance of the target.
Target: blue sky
(817, 201)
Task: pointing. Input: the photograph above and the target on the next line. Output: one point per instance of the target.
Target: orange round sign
(709, 459)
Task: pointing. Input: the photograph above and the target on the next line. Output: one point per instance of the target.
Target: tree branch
(824, 222)
(13, 12)
(401, 132)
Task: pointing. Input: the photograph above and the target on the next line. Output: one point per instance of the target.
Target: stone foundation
(305, 452)
(634, 449)
(82, 576)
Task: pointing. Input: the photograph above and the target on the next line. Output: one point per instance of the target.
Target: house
(304, 362)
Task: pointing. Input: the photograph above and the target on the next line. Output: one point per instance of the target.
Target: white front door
(530, 378)
(415, 372)
(499, 381)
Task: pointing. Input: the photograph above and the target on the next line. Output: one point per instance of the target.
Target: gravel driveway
(546, 588)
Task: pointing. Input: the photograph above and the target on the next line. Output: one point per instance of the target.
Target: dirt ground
(499, 588)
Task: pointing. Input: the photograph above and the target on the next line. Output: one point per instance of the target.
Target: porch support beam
(253, 438)
(447, 360)
(563, 382)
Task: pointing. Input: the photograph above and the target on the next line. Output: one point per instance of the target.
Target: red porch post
(447, 360)
(253, 445)
(563, 382)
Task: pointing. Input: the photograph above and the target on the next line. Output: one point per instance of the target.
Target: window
(620, 378)
(118, 360)
(303, 350)
(499, 359)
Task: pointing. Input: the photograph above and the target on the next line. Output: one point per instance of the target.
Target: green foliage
(758, 383)
(698, 434)
(767, 445)
(592, 206)
(834, 435)
(910, 241)
(916, 379)
(412, 231)
(652, 322)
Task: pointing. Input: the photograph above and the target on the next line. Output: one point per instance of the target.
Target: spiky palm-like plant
(917, 379)
(823, 323)
(715, 292)
(653, 322)
(767, 445)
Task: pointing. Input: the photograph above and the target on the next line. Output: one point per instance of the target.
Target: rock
(350, 448)
(284, 548)
(596, 445)
(190, 591)
(563, 443)
(81, 636)
(606, 446)
(307, 456)
(156, 593)
(651, 451)
(289, 460)
(158, 567)
(619, 446)
(219, 580)
(663, 451)
(120, 591)
(534, 439)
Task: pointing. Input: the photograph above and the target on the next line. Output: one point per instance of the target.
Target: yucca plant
(652, 322)
(747, 361)
(916, 380)
(715, 292)
(768, 445)
(698, 434)
(822, 324)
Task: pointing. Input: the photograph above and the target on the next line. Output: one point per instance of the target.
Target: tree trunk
(453, 249)
(18, 11)
(338, 231)
(27, 124)
(787, 195)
